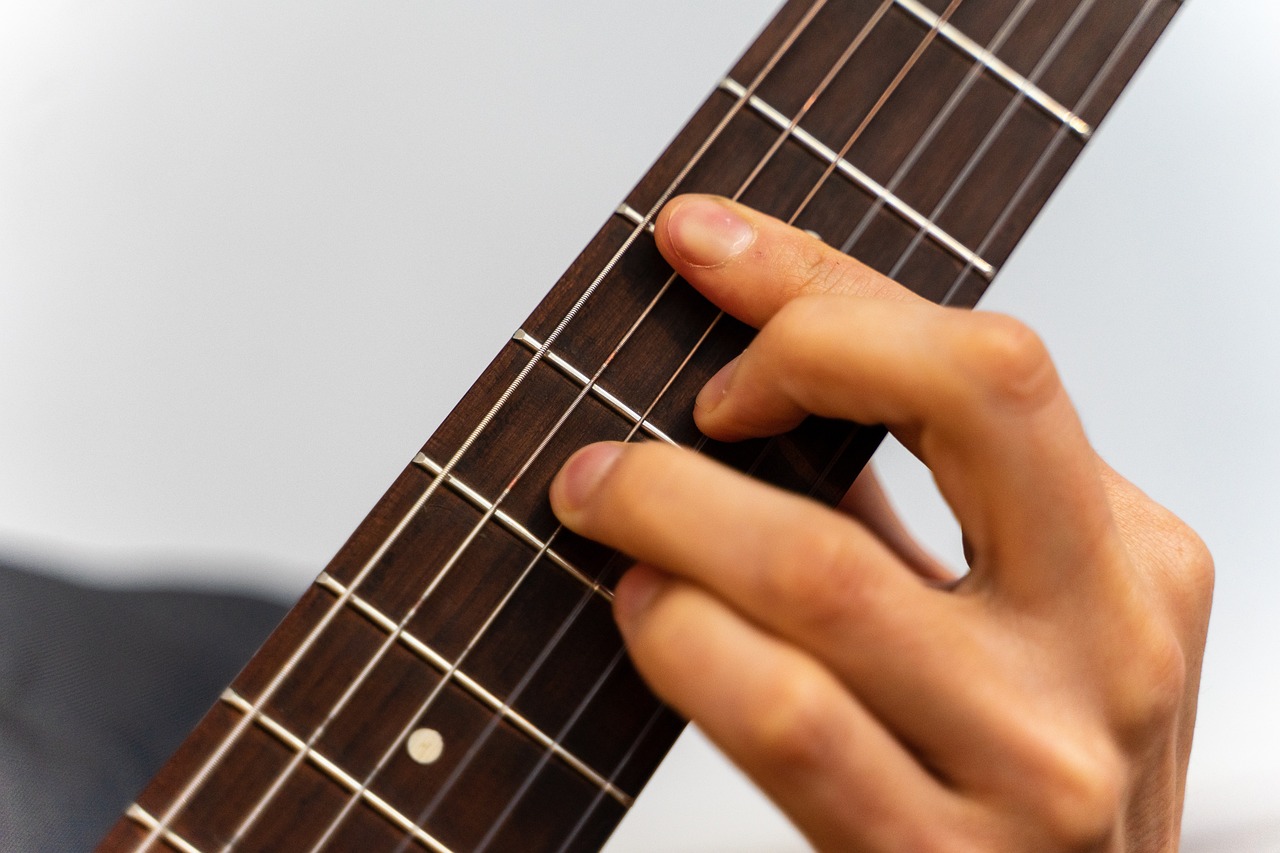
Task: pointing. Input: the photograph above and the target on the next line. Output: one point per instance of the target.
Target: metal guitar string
(454, 666)
(1135, 29)
(935, 127)
(996, 42)
(162, 824)
(977, 68)
(1001, 123)
(477, 743)
(1117, 54)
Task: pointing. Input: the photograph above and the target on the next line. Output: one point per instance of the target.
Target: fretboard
(453, 680)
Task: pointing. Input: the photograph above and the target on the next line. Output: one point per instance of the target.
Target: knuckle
(791, 722)
(1155, 687)
(1009, 359)
(798, 317)
(1189, 560)
(1080, 792)
(814, 580)
(784, 344)
(658, 640)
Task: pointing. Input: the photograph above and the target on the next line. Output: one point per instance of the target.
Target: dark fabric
(97, 688)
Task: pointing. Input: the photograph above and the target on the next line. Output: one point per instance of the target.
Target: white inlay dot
(425, 746)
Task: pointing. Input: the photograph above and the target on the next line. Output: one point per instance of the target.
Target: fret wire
(148, 821)
(198, 779)
(1150, 7)
(882, 195)
(476, 689)
(568, 621)
(527, 340)
(330, 768)
(617, 771)
(557, 425)
(987, 58)
(792, 126)
(935, 126)
(1055, 48)
(515, 527)
(545, 348)
(586, 700)
(785, 134)
(1115, 56)
(515, 798)
(929, 38)
(1118, 53)
(489, 513)
(649, 219)
(426, 704)
(634, 216)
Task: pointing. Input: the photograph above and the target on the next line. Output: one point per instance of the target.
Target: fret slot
(426, 653)
(533, 345)
(996, 66)
(853, 173)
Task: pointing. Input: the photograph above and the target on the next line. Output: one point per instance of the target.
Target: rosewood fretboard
(453, 680)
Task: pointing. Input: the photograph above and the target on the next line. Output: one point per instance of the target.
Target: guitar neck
(453, 679)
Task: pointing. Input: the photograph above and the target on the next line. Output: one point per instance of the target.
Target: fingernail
(707, 233)
(717, 386)
(634, 593)
(581, 475)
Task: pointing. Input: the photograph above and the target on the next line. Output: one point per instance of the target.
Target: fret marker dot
(425, 746)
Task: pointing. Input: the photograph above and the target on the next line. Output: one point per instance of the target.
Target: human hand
(1043, 701)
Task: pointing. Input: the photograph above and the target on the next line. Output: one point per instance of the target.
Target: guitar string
(1001, 123)
(1117, 54)
(995, 44)
(935, 127)
(1054, 49)
(478, 743)
(197, 780)
(219, 754)
(427, 703)
(584, 701)
(1131, 34)
(452, 669)
(753, 176)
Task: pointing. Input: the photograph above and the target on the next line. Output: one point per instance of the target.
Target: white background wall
(251, 252)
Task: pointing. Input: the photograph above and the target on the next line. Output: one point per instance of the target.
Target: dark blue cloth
(97, 688)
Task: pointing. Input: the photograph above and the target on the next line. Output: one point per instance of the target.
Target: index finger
(751, 264)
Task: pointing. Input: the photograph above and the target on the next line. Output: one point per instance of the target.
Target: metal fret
(332, 770)
(438, 661)
(151, 823)
(1029, 90)
(633, 216)
(853, 173)
(513, 526)
(534, 345)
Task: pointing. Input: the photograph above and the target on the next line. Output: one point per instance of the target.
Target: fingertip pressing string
(163, 823)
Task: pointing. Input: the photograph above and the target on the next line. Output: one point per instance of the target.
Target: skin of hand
(1044, 700)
